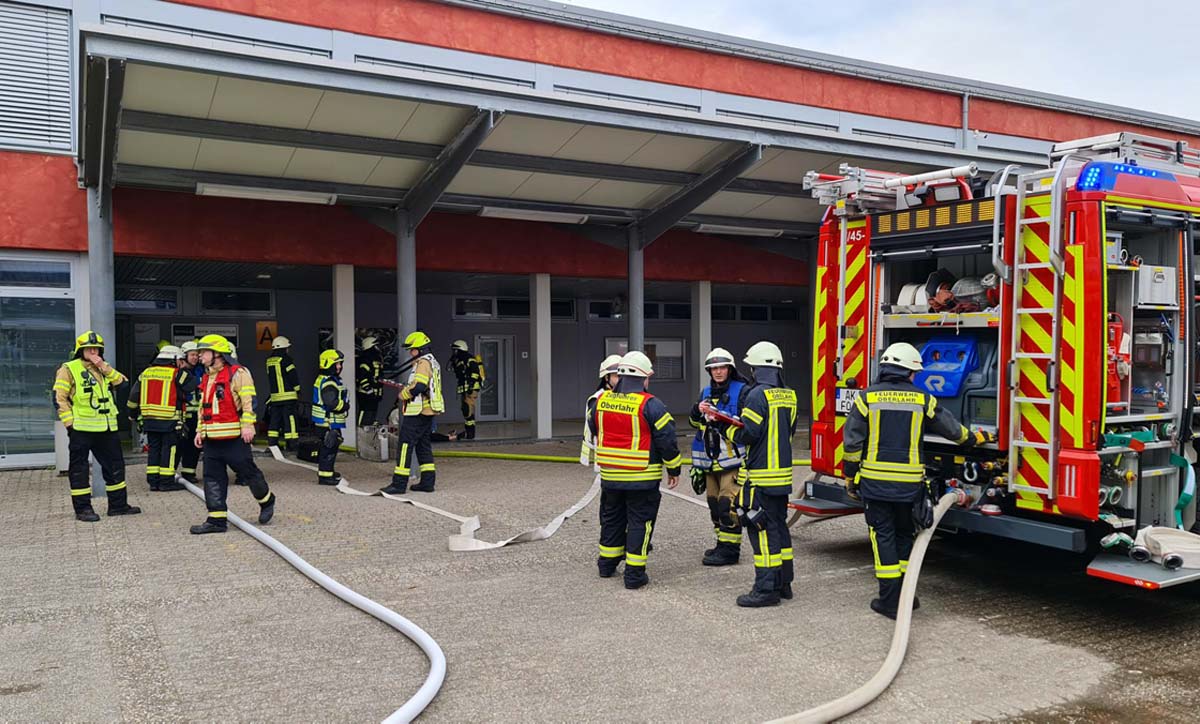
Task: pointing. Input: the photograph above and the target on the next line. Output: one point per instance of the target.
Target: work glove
(922, 510)
(852, 489)
(698, 483)
(982, 437)
(850, 469)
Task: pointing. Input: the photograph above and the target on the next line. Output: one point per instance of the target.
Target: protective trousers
(891, 529)
(160, 460)
(469, 400)
(415, 431)
(772, 543)
(626, 527)
(368, 408)
(331, 440)
(106, 448)
(189, 454)
(281, 424)
(235, 454)
(722, 490)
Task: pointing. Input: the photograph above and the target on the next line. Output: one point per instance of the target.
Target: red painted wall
(177, 225)
(430, 23)
(41, 206)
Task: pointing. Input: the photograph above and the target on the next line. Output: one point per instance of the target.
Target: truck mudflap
(1151, 576)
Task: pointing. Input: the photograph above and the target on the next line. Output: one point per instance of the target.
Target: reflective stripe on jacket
(84, 397)
(730, 456)
(283, 382)
(324, 414)
(423, 393)
(635, 439)
(769, 416)
(227, 403)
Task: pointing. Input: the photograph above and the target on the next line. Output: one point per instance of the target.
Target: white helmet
(610, 365)
(718, 357)
(170, 352)
(369, 343)
(764, 354)
(460, 344)
(635, 364)
(281, 342)
(189, 346)
(902, 354)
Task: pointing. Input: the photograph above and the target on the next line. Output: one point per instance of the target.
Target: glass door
(496, 397)
(37, 332)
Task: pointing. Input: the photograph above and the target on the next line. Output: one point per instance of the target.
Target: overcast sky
(1143, 54)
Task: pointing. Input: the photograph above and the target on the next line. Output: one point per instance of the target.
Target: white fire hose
(878, 683)
(437, 660)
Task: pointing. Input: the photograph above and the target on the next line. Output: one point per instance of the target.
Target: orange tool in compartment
(1118, 357)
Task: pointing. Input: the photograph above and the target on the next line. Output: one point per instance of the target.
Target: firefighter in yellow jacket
(226, 429)
(635, 443)
(83, 396)
(420, 401)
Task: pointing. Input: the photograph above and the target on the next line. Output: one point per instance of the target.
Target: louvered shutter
(35, 77)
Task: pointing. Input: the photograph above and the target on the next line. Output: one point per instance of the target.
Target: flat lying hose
(879, 683)
(437, 660)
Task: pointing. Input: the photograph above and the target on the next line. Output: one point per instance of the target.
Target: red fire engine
(1053, 306)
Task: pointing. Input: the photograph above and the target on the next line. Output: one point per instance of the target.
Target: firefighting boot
(786, 592)
(331, 480)
(723, 555)
(167, 486)
(86, 514)
(608, 566)
(396, 488)
(267, 510)
(118, 503)
(469, 433)
(758, 599)
(635, 577)
(209, 526)
(889, 598)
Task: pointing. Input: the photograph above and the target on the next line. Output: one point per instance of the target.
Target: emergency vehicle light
(1102, 175)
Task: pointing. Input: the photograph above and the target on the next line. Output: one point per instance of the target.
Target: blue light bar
(1103, 175)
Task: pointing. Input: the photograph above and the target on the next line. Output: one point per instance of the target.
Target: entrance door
(496, 398)
(37, 334)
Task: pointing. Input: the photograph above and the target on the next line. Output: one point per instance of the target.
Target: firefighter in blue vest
(888, 421)
(83, 396)
(189, 454)
(716, 460)
(769, 418)
(156, 405)
(283, 389)
(330, 408)
(635, 442)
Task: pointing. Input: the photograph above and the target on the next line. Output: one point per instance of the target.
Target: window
(146, 299)
(784, 313)
(665, 354)
(724, 312)
(475, 307)
(754, 312)
(512, 308)
(651, 311)
(603, 310)
(562, 309)
(35, 77)
(676, 311)
(23, 273)
(237, 300)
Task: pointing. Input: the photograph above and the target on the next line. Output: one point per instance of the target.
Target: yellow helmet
(216, 343)
(331, 357)
(88, 339)
(417, 340)
(162, 343)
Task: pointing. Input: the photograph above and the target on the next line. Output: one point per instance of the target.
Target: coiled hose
(437, 660)
(879, 683)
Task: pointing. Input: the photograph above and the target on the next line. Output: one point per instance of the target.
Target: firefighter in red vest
(156, 405)
(226, 429)
(635, 441)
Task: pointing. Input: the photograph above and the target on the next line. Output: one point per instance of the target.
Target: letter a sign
(264, 334)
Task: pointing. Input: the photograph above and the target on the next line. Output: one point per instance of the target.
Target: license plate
(845, 400)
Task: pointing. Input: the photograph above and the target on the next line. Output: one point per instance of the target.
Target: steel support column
(343, 339)
(542, 414)
(406, 275)
(636, 308)
(701, 338)
(101, 292)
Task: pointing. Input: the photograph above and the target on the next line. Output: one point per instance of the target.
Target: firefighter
(83, 396)
(469, 374)
(716, 460)
(330, 405)
(225, 432)
(189, 454)
(608, 380)
(420, 400)
(369, 390)
(156, 405)
(889, 420)
(635, 442)
(769, 418)
(283, 386)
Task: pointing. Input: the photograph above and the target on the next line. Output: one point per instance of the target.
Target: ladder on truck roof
(1034, 361)
(1133, 148)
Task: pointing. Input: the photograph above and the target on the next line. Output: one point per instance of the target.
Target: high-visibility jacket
(727, 400)
(158, 398)
(283, 382)
(227, 403)
(423, 393)
(769, 416)
(884, 434)
(331, 402)
(83, 396)
(370, 370)
(635, 440)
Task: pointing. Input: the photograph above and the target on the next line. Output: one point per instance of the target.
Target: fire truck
(1052, 306)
